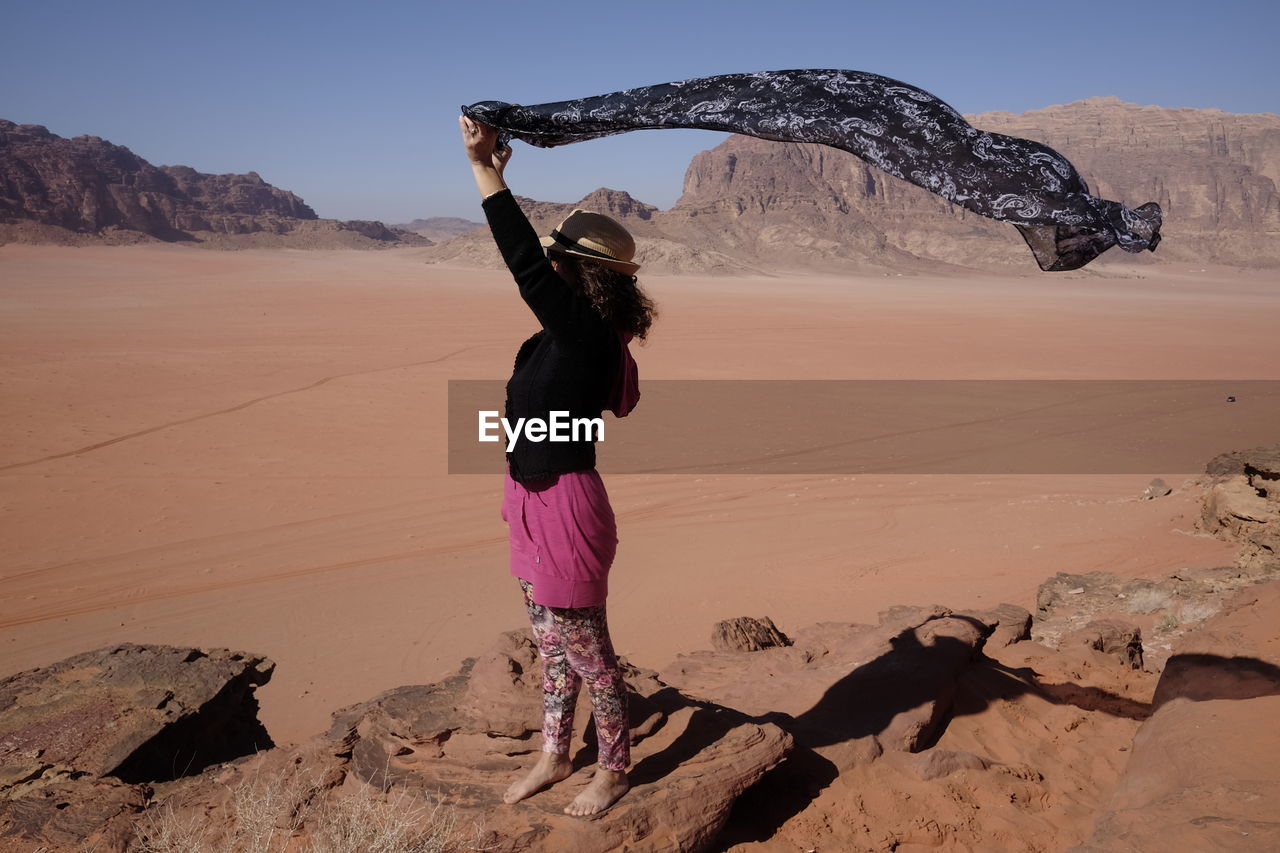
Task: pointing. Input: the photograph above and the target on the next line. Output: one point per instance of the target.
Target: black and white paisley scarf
(896, 127)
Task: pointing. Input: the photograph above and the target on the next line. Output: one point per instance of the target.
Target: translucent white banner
(902, 427)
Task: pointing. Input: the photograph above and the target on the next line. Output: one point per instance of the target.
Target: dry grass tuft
(376, 824)
(1149, 600)
(287, 813)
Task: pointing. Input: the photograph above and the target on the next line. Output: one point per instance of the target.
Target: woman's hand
(501, 156)
(487, 162)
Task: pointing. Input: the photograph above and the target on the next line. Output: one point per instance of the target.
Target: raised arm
(566, 314)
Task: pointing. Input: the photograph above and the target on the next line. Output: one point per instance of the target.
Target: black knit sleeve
(566, 315)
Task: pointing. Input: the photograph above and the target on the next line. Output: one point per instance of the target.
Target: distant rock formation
(656, 250)
(1215, 175)
(73, 190)
(440, 228)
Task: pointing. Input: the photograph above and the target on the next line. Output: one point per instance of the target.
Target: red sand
(248, 450)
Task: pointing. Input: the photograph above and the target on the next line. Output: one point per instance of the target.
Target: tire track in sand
(88, 448)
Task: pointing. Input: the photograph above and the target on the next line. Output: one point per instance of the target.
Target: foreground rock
(847, 691)
(1203, 774)
(904, 732)
(460, 743)
(746, 634)
(1073, 608)
(1243, 505)
(937, 728)
(81, 739)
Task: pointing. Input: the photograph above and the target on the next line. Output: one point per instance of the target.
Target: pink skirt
(563, 537)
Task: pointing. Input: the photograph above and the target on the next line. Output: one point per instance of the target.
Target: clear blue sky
(353, 105)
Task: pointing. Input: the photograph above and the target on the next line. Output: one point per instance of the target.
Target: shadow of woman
(866, 702)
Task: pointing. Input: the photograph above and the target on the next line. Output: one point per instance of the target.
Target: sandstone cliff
(86, 189)
(1213, 173)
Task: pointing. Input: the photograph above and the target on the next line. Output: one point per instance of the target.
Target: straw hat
(595, 236)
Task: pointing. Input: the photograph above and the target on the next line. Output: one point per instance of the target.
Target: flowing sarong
(895, 127)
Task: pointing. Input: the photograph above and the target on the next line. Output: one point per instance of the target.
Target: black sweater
(569, 366)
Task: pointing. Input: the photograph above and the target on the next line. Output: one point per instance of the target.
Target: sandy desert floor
(248, 450)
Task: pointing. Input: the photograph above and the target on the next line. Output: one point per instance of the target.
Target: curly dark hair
(617, 296)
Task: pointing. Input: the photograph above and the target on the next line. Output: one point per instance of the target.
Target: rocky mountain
(1214, 174)
(753, 204)
(438, 228)
(72, 190)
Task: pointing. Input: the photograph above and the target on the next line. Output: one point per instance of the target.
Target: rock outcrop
(1203, 774)
(72, 190)
(1241, 504)
(459, 743)
(1244, 505)
(130, 711)
(83, 740)
(847, 691)
(924, 729)
(746, 634)
(1144, 615)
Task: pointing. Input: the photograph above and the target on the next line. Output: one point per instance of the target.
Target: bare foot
(551, 768)
(604, 791)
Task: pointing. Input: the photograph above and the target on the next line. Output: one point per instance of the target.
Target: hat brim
(625, 267)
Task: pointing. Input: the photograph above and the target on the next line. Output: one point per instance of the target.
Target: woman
(562, 531)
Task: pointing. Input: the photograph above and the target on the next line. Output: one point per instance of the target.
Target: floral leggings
(574, 646)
